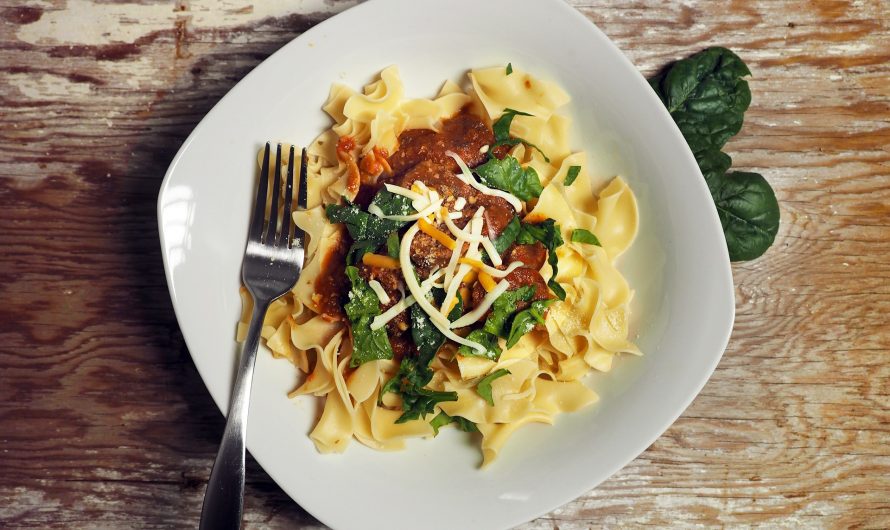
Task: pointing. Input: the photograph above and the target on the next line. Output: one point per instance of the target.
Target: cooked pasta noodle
(537, 378)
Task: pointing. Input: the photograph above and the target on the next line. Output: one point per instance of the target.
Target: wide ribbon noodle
(584, 332)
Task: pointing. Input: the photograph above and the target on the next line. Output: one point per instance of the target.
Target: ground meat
(532, 256)
(497, 215)
(438, 177)
(464, 134)
(518, 278)
(427, 254)
(332, 284)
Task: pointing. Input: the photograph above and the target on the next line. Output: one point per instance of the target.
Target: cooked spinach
(365, 227)
(525, 320)
(579, 235)
(504, 307)
(501, 129)
(509, 68)
(547, 232)
(443, 419)
(487, 340)
(506, 174)
(707, 97)
(571, 175)
(392, 245)
(484, 385)
(362, 307)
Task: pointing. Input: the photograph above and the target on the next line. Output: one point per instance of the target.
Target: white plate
(679, 265)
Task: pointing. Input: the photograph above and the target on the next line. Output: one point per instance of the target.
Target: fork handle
(224, 499)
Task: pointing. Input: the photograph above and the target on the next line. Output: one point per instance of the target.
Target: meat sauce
(421, 156)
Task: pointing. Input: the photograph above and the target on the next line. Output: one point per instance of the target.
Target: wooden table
(104, 421)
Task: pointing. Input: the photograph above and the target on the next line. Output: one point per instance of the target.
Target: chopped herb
(362, 307)
(501, 129)
(579, 235)
(572, 174)
(487, 340)
(509, 68)
(506, 174)
(484, 386)
(525, 321)
(443, 419)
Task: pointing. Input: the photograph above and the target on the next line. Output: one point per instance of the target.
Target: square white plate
(679, 265)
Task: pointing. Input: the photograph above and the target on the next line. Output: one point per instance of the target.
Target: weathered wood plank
(104, 421)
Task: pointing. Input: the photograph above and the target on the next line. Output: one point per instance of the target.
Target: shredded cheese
(461, 233)
(377, 260)
(391, 313)
(404, 192)
(373, 209)
(492, 252)
(438, 320)
(487, 282)
(436, 234)
(467, 176)
(378, 290)
(460, 203)
(473, 316)
(491, 271)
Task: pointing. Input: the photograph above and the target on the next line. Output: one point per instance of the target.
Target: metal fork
(272, 263)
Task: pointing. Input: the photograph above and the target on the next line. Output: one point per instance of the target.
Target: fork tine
(287, 220)
(273, 207)
(299, 234)
(259, 207)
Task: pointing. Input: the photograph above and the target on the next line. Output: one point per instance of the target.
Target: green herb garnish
(484, 385)
(579, 235)
(571, 175)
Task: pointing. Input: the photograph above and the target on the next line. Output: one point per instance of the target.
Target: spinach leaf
(506, 174)
(501, 129)
(509, 68)
(484, 385)
(362, 307)
(359, 249)
(504, 307)
(363, 226)
(749, 213)
(443, 419)
(487, 340)
(579, 235)
(392, 245)
(706, 96)
(571, 175)
(547, 232)
(525, 321)
(505, 239)
(414, 371)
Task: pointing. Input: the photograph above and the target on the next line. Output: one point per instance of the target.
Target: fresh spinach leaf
(749, 213)
(706, 96)
(501, 129)
(506, 174)
(361, 308)
(548, 233)
(487, 340)
(443, 419)
(525, 320)
(484, 385)
(509, 68)
(571, 175)
(579, 235)
(504, 307)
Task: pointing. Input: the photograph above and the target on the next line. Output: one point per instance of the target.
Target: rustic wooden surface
(104, 421)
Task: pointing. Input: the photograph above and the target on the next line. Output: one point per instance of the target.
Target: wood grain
(104, 421)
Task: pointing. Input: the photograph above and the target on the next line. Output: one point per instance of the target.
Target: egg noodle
(537, 378)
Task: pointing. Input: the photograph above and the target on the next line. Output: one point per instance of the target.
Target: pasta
(548, 308)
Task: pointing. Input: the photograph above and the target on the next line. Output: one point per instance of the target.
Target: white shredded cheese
(483, 149)
(391, 313)
(498, 273)
(492, 252)
(455, 215)
(404, 192)
(467, 176)
(378, 290)
(438, 319)
(478, 312)
(454, 282)
(373, 209)
(460, 203)
(462, 234)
